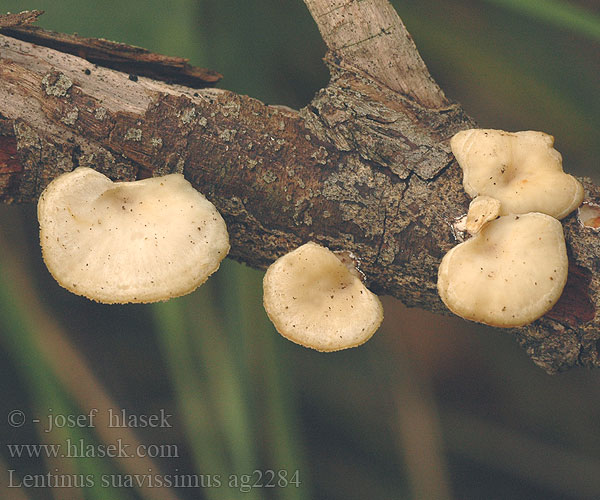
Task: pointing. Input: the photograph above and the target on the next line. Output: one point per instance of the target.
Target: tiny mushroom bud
(520, 169)
(118, 242)
(313, 299)
(509, 274)
(481, 210)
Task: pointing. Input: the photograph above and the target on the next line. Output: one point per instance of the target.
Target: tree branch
(378, 45)
(366, 167)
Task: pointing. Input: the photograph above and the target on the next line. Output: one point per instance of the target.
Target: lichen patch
(100, 114)
(188, 115)
(56, 84)
(133, 134)
(70, 117)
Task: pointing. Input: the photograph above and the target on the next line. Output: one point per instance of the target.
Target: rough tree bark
(365, 167)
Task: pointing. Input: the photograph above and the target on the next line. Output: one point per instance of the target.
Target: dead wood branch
(365, 167)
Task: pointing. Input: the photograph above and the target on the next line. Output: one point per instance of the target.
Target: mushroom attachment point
(118, 242)
(522, 170)
(509, 274)
(313, 299)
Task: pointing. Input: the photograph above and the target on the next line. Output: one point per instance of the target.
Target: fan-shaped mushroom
(313, 299)
(141, 241)
(522, 170)
(509, 274)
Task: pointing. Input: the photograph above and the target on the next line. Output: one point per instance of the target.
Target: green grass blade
(20, 327)
(558, 13)
(191, 394)
(217, 351)
(282, 431)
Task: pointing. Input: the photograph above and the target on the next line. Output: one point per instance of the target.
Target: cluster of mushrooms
(514, 267)
(158, 238)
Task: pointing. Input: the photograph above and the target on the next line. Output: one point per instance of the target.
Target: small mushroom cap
(481, 210)
(313, 299)
(520, 169)
(117, 242)
(509, 274)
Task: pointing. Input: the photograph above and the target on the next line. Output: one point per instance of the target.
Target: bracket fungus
(521, 169)
(118, 242)
(509, 274)
(313, 299)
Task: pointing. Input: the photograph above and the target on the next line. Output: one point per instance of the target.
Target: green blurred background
(431, 407)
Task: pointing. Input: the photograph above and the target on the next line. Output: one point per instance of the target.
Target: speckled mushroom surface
(522, 170)
(313, 299)
(118, 242)
(509, 274)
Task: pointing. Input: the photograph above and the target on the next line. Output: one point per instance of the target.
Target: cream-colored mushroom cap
(313, 299)
(481, 210)
(520, 169)
(118, 242)
(509, 274)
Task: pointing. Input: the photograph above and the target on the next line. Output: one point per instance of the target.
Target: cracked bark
(365, 167)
